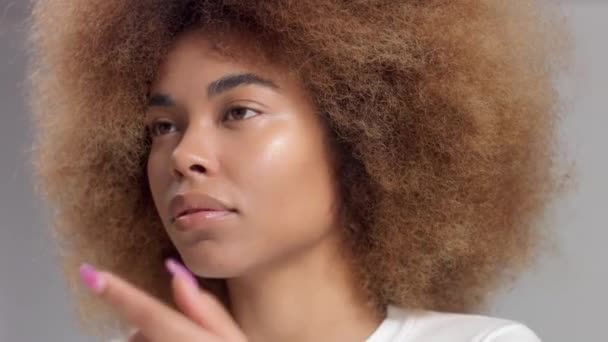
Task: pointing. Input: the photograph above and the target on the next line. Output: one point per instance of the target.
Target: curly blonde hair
(444, 114)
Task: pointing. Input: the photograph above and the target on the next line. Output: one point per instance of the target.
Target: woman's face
(239, 143)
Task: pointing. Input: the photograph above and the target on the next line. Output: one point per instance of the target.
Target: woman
(327, 170)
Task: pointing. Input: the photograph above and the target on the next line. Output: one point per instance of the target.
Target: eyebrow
(217, 87)
(160, 100)
(232, 81)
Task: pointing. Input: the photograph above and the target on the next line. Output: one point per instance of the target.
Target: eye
(160, 128)
(240, 113)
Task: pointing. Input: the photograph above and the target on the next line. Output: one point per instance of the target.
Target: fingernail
(177, 269)
(91, 278)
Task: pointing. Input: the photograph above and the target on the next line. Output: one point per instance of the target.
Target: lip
(196, 210)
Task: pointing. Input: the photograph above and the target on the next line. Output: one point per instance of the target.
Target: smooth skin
(244, 131)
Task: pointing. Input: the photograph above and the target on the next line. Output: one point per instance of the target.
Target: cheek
(287, 183)
(156, 179)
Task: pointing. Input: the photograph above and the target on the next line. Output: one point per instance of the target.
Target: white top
(403, 325)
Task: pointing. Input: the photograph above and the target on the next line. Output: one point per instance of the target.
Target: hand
(203, 317)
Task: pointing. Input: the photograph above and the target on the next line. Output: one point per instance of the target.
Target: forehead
(217, 47)
(206, 56)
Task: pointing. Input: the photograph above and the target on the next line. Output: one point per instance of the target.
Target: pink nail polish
(177, 269)
(90, 277)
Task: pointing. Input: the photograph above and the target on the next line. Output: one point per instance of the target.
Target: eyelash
(152, 127)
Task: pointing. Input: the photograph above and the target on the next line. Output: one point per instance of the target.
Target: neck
(308, 297)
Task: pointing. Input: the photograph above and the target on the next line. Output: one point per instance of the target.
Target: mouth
(195, 210)
(208, 213)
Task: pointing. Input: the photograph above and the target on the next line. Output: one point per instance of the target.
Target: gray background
(563, 299)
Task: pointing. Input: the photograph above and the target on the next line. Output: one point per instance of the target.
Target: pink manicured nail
(91, 278)
(177, 269)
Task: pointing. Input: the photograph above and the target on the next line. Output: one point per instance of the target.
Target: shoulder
(458, 327)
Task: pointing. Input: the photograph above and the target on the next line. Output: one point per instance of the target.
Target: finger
(155, 320)
(138, 337)
(199, 305)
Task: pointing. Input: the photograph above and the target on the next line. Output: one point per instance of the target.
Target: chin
(214, 272)
(203, 263)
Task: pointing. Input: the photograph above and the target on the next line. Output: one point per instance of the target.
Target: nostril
(197, 168)
(177, 174)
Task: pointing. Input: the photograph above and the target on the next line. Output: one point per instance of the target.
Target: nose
(193, 157)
